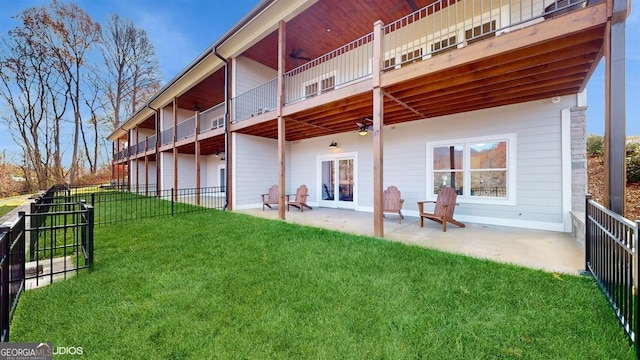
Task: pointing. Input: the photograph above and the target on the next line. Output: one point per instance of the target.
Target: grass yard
(5, 209)
(222, 285)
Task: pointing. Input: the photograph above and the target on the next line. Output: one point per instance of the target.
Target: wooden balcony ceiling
(205, 94)
(463, 80)
(148, 123)
(346, 20)
(207, 147)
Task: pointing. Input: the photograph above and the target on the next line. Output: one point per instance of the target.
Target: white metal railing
(151, 142)
(346, 64)
(166, 136)
(186, 128)
(212, 118)
(256, 101)
(449, 24)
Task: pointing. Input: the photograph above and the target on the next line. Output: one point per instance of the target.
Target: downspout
(157, 122)
(226, 123)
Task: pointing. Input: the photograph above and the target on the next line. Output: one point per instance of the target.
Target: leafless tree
(61, 36)
(132, 72)
(28, 84)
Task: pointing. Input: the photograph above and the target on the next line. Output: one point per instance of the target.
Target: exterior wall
(186, 171)
(137, 166)
(209, 165)
(250, 74)
(166, 166)
(578, 158)
(166, 118)
(255, 169)
(540, 196)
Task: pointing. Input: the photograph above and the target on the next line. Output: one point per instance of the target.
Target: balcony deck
(553, 57)
(428, 70)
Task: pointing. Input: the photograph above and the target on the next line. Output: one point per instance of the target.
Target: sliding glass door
(337, 182)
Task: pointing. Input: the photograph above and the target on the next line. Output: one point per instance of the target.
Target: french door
(337, 182)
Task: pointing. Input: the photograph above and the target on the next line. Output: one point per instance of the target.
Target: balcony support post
(615, 113)
(128, 162)
(146, 167)
(175, 149)
(378, 123)
(137, 158)
(197, 155)
(282, 186)
(113, 162)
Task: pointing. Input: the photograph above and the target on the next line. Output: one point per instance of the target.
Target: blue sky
(181, 30)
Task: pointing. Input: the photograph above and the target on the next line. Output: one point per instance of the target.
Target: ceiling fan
(295, 56)
(363, 127)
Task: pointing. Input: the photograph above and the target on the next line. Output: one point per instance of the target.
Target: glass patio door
(337, 183)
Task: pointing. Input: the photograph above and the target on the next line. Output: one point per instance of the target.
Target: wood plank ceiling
(556, 67)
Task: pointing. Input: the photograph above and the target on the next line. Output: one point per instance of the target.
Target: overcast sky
(181, 30)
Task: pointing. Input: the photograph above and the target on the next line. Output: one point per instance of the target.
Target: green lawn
(229, 286)
(5, 209)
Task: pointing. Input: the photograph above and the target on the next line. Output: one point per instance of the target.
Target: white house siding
(209, 166)
(255, 169)
(537, 129)
(250, 74)
(186, 171)
(138, 166)
(166, 165)
(140, 134)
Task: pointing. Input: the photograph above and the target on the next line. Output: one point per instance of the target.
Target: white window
(481, 170)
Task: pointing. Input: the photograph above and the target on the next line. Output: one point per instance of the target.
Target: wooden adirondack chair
(300, 198)
(443, 211)
(271, 198)
(393, 202)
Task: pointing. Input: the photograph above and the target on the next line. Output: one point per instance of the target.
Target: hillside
(595, 172)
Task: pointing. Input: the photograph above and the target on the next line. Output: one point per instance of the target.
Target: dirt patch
(595, 171)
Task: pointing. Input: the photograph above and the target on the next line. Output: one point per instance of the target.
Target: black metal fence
(113, 204)
(611, 244)
(60, 243)
(12, 271)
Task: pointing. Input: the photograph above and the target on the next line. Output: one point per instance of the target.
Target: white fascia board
(262, 25)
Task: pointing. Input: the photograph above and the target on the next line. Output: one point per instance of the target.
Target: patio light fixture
(363, 127)
(333, 145)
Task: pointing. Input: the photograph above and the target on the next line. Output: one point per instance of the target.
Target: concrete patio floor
(544, 250)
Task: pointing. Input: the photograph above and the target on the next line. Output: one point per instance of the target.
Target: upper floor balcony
(446, 57)
(439, 58)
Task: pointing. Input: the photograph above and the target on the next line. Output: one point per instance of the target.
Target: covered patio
(537, 249)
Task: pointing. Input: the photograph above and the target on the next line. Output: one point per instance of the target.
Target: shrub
(595, 145)
(633, 162)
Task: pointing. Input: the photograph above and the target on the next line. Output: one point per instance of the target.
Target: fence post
(587, 234)
(636, 274)
(172, 202)
(4, 297)
(90, 236)
(34, 224)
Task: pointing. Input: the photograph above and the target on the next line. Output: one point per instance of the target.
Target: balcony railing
(256, 101)
(346, 64)
(166, 136)
(449, 24)
(212, 118)
(436, 28)
(151, 142)
(186, 129)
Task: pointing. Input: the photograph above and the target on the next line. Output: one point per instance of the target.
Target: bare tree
(132, 72)
(51, 85)
(29, 88)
